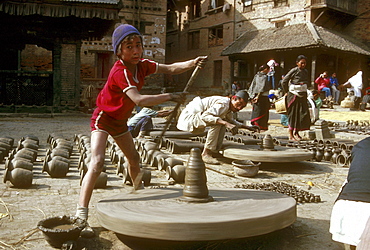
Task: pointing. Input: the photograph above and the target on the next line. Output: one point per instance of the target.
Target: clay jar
(19, 177)
(177, 173)
(319, 154)
(170, 161)
(328, 153)
(56, 167)
(18, 163)
(335, 155)
(157, 155)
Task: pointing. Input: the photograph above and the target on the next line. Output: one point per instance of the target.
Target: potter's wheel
(234, 213)
(256, 154)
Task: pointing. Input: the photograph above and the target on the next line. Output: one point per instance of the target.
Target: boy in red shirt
(115, 103)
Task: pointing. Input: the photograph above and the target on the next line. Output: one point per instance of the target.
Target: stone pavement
(22, 209)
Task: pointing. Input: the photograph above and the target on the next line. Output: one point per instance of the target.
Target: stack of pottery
(19, 165)
(57, 159)
(6, 143)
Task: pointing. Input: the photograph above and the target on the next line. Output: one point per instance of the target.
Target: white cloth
(296, 88)
(200, 113)
(348, 221)
(356, 84)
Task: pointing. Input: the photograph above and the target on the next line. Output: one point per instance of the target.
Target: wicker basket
(280, 105)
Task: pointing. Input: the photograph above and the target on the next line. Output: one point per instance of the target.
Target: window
(195, 9)
(216, 3)
(247, 5)
(215, 36)
(193, 40)
(103, 65)
(280, 3)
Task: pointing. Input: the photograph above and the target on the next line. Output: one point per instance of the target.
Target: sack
(280, 105)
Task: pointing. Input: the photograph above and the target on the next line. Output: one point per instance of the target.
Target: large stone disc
(159, 214)
(255, 153)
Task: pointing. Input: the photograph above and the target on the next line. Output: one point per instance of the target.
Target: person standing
(271, 73)
(295, 85)
(259, 92)
(351, 210)
(115, 103)
(334, 88)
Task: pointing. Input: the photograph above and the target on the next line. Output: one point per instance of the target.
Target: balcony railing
(344, 5)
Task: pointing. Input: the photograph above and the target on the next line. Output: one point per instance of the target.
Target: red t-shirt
(322, 83)
(112, 99)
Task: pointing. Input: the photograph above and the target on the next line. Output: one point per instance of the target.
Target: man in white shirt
(215, 112)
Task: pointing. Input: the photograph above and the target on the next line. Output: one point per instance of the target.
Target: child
(115, 103)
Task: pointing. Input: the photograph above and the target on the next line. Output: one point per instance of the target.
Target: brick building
(239, 36)
(97, 56)
(40, 47)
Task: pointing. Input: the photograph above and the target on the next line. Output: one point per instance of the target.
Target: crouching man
(215, 112)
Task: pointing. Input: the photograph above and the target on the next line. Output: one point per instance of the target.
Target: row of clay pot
(283, 188)
(84, 148)
(151, 155)
(19, 164)
(335, 151)
(6, 143)
(57, 158)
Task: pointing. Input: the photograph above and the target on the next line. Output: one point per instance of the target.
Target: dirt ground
(22, 209)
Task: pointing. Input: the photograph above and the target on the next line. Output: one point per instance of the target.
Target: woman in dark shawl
(295, 84)
(258, 92)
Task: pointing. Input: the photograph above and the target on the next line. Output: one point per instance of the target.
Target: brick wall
(68, 75)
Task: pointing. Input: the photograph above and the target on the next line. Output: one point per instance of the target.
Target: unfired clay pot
(19, 177)
(18, 163)
(177, 173)
(55, 167)
(245, 168)
(170, 161)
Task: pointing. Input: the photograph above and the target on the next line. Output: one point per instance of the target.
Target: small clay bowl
(245, 168)
(60, 229)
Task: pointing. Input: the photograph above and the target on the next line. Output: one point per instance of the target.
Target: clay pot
(58, 230)
(7, 140)
(328, 154)
(341, 160)
(150, 145)
(19, 177)
(335, 155)
(245, 168)
(170, 161)
(177, 173)
(102, 181)
(26, 153)
(319, 154)
(313, 153)
(156, 157)
(55, 167)
(6, 146)
(147, 176)
(18, 163)
(58, 152)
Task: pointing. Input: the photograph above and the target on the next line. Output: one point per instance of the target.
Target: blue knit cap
(120, 33)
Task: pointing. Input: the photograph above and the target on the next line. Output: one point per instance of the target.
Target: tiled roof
(94, 1)
(305, 35)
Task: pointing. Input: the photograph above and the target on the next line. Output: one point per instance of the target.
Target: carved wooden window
(215, 36)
